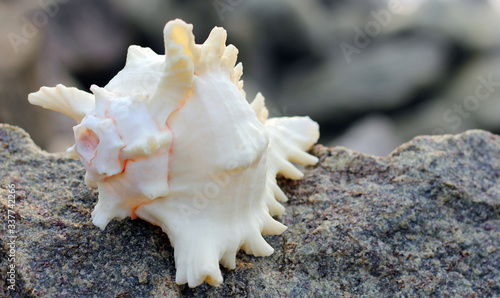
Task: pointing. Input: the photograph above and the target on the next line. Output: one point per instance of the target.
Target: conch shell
(172, 140)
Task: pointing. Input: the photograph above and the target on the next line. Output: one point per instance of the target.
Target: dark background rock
(424, 221)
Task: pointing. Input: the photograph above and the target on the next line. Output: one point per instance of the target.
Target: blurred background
(373, 74)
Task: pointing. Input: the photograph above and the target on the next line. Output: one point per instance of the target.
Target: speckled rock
(423, 221)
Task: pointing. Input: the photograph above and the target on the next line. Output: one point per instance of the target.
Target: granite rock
(423, 221)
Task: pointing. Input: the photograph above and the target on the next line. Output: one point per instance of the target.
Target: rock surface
(422, 221)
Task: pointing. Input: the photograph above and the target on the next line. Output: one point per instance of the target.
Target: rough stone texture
(423, 221)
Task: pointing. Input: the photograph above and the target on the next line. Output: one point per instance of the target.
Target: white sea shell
(172, 140)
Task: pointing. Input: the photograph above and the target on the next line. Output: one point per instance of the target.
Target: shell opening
(87, 144)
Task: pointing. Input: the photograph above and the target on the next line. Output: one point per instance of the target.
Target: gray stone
(374, 134)
(383, 76)
(474, 24)
(476, 89)
(18, 69)
(467, 101)
(424, 221)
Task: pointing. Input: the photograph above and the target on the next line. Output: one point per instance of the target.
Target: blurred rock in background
(18, 72)
(375, 133)
(50, 42)
(373, 73)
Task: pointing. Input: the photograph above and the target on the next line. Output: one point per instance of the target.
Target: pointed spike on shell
(108, 207)
(231, 52)
(89, 182)
(71, 153)
(101, 218)
(288, 170)
(302, 157)
(209, 274)
(137, 54)
(257, 246)
(278, 193)
(237, 73)
(272, 227)
(214, 47)
(197, 264)
(69, 101)
(274, 207)
(259, 107)
(228, 260)
(178, 32)
(102, 98)
(181, 272)
(99, 91)
(181, 55)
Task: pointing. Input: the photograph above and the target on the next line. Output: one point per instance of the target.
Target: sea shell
(172, 140)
